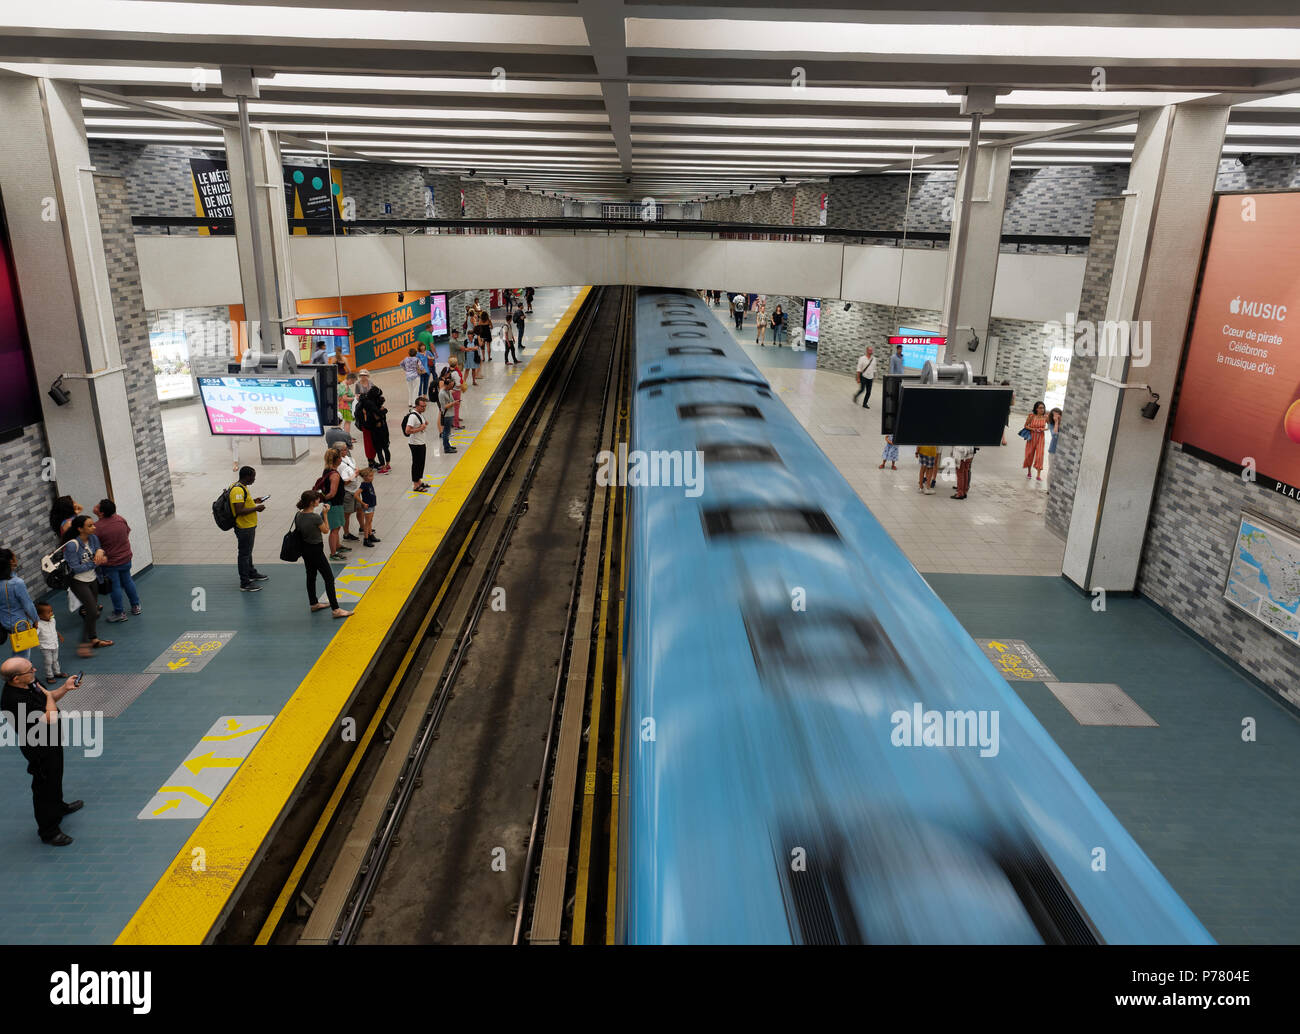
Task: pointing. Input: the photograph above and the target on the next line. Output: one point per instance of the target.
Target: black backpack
(222, 512)
(58, 575)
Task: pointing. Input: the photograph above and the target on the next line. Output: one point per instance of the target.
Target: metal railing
(658, 227)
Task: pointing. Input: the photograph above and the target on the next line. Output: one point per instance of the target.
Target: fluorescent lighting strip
(1046, 44)
(335, 110)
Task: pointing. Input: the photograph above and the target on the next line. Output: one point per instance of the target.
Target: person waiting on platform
(246, 508)
(890, 455)
(896, 362)
(372, 416)
(1032, 433)
(414, 425)
(928, 457)
(467, 352)
(1054, 426)
(520, 320)
(312, 528)
(115, 536)
(445, 405)
(962, 456)
(26, 703)
(485, 335)
(508, 340)
(760, 321)
(428, 357)
(528, 294)
(330, 488)
(366, 503)
(16, 606)
(86, 558)
(61, 514)
(411, 368)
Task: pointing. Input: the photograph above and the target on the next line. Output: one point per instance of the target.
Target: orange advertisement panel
(1240, 398)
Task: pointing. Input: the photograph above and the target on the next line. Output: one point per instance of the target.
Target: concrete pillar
(272, 238)
(979, 260)
(49, 198)
(1170, 191)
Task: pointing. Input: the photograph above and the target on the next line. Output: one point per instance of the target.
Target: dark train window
(765, 393)
(689, 377)
(714, 410)
(767, 520)
(655, 369)
(694, 350)
(739, 452)
(686, 333)
(682, 323)
(655, 394)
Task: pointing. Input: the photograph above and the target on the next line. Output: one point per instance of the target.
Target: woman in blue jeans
(15, 602)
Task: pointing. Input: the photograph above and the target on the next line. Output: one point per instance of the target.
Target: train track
(439, 833)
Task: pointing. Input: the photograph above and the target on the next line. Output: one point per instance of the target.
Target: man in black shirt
(32, 710)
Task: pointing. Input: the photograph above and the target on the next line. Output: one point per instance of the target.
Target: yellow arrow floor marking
(189, 791)
(997, 646)
(173, 803)
(180, 662)
(210, 760)
(236, 735)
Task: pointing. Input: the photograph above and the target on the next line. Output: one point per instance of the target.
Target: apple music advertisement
(1240, 398)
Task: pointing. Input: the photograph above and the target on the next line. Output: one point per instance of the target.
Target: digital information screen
(812, 319)
(1240, 396)
(261, 405)
(438, 314)
(919, 347)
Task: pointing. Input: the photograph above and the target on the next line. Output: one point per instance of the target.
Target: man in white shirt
(866, 376)
(738, 308)
(414, 425)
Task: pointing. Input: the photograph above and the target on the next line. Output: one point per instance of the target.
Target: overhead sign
(261, 405)
(190, 790)
(318, 331)
(909, 340)
(1015, 660)
(190, 652)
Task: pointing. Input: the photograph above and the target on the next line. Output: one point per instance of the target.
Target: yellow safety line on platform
(185, 904)
(611, 896)
(341, 787)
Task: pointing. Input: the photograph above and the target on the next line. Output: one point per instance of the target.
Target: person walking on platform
(528, 295)
(33, 713)
(445, 404)
(115, 536)
(312, 527)
(896, 362)
(16, 605)
(86, 557)
(866, 376)
(1032, 433)
(778, 326)
(508, 340)
(738, 310)
(760, 321)
(413, 427)
(520, 320)
(246, 509)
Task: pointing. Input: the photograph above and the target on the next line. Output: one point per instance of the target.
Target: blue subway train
(815, 751)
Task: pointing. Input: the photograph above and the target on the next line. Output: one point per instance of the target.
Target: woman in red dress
(1036, 425)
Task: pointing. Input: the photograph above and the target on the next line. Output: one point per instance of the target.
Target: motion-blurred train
(779, 650)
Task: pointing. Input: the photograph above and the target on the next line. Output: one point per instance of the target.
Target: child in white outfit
(50, 637)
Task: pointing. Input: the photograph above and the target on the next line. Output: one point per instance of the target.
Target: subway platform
(214, 700)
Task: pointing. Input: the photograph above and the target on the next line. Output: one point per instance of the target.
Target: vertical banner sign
(307, 195)
(211, 182)
(378, 335)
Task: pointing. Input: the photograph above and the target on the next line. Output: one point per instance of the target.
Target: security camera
(974, 343)
(1153, 407)
(782, 179)
(472, 171)
(57, 392)
(846, 306)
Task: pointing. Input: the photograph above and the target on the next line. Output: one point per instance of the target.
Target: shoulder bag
(24, 636)
(291, 544)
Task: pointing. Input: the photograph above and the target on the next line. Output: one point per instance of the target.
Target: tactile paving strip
(1100, 703)
(111, 693)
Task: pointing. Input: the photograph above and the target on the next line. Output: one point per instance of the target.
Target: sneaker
(345, 549)
(337, 556)
(449, 450)
(136, 610)
(259, 577)
(385, 469)
(250, 587)
(117, 615)
(59, 839)
(368, 542)
(350, 537)
(60, 675)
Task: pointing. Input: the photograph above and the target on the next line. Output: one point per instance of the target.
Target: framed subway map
(1264, 576)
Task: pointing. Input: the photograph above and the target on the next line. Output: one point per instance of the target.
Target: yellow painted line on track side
(184, 906)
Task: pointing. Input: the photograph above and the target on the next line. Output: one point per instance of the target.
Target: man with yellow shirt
(246, 508)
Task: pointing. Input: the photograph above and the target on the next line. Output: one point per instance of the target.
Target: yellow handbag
(21, 639)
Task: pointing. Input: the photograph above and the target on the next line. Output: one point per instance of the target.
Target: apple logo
(1234, 306)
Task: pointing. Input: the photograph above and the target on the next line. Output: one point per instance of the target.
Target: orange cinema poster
(1240, 397)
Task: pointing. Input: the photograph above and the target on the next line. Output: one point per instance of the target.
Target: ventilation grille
(766, 521)
(1052, 908)
(739, 452)
(718, 411)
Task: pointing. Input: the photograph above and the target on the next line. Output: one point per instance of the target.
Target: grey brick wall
(1023, 353)
(844, 334)
(1078, 391)
(157, 177)
(371, 185)
(1185, 560)
(112, 196)
(24, 527)
(1266, 172)
(206, 328)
